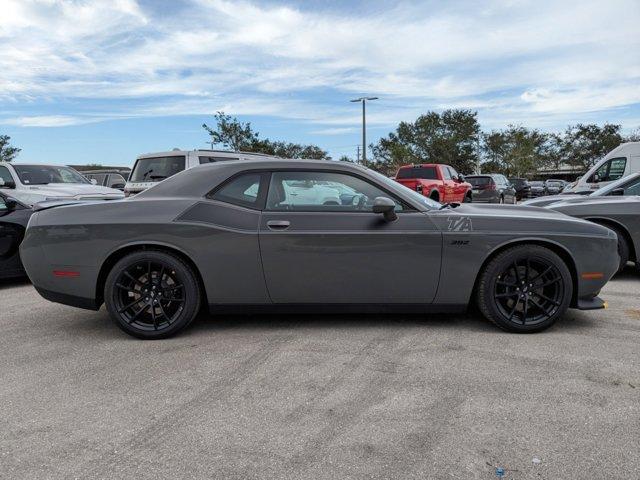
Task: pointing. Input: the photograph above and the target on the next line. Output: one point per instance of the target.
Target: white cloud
(516, 59)
(47, 121)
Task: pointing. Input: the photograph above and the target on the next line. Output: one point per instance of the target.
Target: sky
(91, 81)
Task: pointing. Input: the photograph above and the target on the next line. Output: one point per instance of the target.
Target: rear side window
(156, 168)
(246, 190)
(215, 159)
(427, 173)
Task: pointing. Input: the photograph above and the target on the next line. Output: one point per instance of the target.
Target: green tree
(449, 137)
(582, 145)
(516, 151)
(240, 136)
(7, 151)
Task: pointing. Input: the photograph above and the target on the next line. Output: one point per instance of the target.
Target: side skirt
(324, 308)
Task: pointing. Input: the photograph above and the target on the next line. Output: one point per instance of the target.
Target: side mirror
(461, 178)
(94, 181)
(11, 203)
(386, 207)
(617, 191)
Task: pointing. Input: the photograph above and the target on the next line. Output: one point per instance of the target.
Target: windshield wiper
(144, 175)
(157, 177)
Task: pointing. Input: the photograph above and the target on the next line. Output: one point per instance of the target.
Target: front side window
(446, 174)
(157, 168)
(314, 191)
(616, 170)
(244, 190)
(45, 174)
(3, 205)
(610, 170)
(5, 175)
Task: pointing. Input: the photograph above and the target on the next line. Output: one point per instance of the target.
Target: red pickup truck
(436, 181)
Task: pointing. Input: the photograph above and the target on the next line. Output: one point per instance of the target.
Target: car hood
(543, 201)
(74, 190)
(497, 210)
(586, 202)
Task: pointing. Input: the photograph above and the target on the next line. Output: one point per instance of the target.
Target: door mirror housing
(386, 207)
(617, 191)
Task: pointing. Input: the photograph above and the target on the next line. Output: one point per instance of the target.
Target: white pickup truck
(32, 183)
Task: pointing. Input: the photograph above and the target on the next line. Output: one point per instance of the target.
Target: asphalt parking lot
(328, 397)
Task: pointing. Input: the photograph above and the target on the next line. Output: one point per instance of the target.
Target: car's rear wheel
(468, 198)
(525, 289)
(152, 294)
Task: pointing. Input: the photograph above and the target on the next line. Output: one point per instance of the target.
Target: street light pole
(363, 100)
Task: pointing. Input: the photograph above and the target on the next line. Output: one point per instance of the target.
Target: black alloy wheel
(152, 294)
(525, 289)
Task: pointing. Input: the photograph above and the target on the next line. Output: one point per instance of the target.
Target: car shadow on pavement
(14, 282)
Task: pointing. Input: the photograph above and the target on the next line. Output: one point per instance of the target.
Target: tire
(156, 305)
(468, 198)
(502, 292)
(435, 196)
(623, 248)
(501, 201)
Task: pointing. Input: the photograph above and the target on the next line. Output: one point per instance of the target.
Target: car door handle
(278, 224)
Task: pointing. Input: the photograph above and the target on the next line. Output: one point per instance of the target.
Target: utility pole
(363, 100)
(358, 155)
(212, 143)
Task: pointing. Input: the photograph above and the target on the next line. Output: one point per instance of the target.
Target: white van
(618, 163)
(33, 183)
(151, 168)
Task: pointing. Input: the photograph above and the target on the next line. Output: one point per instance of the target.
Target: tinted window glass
(310, 191)
(479, 181)
(633, 188)
(446, 173)
(116, 180)
(243, 190)
(616, 169)
(215, 159)
(5, 175)
(428, 173)
(44, 174)
(3, 206)
(157, 168)
(98, 177)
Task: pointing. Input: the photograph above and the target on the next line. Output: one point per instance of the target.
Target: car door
(449, 185)
(323, 252)
(459, 190)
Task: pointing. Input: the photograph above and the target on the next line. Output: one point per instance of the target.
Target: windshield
(426, 173)
(415, 196)
(44, 174)
(536, 184)
(156, 169)
(620, 183)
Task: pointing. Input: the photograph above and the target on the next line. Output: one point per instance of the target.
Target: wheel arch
(124, 250)
(555, 247)
(610, 223)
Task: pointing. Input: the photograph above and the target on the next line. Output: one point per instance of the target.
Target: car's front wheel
(525, 289)
(152, 294)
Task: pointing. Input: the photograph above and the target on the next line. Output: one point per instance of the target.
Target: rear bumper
(71, 300)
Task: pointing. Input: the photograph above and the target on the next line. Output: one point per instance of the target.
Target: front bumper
(591, 303)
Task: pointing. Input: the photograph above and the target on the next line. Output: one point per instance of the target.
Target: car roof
(181, 153)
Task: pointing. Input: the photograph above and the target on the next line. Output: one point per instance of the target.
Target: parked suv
(492, 188)
(436, 181)
(151, 168)
(523, 189)
(554, 187)
(32, 183)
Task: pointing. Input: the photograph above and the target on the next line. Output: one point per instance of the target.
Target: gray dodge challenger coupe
(285, 235)
(618, 213)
